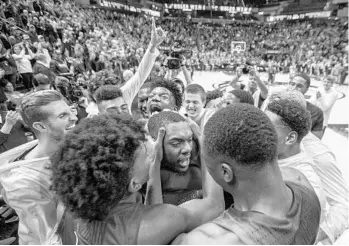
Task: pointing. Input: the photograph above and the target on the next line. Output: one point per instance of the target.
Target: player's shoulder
(211, 233)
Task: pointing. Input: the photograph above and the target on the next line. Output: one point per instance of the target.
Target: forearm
(131, 88)
(187, 75)
(154, 188)
(6, 128)
(262, 87)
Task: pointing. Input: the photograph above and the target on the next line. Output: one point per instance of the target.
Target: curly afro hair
(92, 168)
(172, 87)
(293, 115)
(161, 119)
(243, 96)
(102, 78)
(211, 95)
(242, 133)
(107, 92)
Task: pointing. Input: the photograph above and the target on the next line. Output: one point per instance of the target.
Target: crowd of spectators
(59, 38)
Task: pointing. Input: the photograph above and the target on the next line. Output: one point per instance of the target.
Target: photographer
(176, 65)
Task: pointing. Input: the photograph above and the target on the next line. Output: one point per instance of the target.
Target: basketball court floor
(336, 135)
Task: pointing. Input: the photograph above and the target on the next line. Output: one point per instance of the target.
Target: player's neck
(292, 150)
(45, 148)
(263, 193)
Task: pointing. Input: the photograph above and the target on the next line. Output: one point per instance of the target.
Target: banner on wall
(322, 14)
(120, 6)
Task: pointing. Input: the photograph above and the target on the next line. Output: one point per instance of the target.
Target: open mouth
(70, 127)
(191, 111)
(184, 163)
(154, 109)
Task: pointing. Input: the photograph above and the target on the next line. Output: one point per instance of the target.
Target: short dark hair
(243, 96)
(161, 119)
(92, 168)
(305, 77)
(211, 95)
(196, 89)
(242, 133)
(172, 87)
(107, 92)
(293, 115)
(102, 78)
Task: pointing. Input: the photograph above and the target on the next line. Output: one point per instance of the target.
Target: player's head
(164, 94)
(179, 147)
(292, 122)
(109, 98)
(300, 82)
(47, 114)
(100, 162)
(238, 96)
(211, 96)
(194, 100)
(239, 142)
(328, 82)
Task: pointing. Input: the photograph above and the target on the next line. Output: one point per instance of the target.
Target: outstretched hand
(157, 34)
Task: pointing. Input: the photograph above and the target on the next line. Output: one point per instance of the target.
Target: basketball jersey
(120, 227)
(299, 226)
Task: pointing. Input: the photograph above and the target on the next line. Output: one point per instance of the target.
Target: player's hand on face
(158, 145)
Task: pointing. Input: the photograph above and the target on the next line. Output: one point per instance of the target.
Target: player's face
(299, 84)
(159, 99)
(178, 146)
(193, 104)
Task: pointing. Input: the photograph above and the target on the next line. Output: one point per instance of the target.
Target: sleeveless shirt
(120, 227)
(299, 226)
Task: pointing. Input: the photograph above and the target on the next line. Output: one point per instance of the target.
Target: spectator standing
(325, 98)
(23, 64)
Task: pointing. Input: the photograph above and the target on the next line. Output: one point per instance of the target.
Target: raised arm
(260, 83)
(131, 88)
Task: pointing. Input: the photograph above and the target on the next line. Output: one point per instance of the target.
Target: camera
(175, 60)
(175, 55)
(246, 67)
(71, 91)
